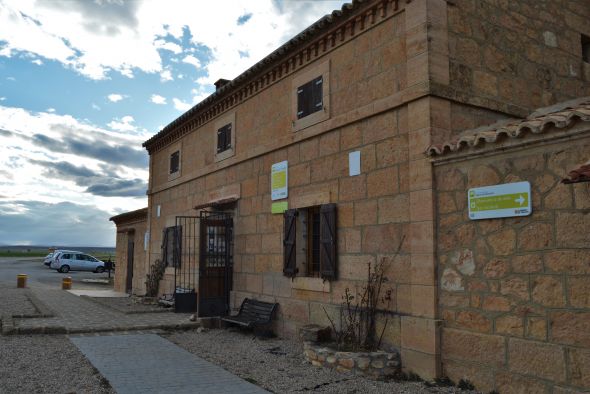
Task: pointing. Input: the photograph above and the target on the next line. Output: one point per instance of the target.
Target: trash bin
(21, 281)
(66, 283)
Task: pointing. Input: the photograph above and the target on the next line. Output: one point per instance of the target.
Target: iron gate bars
(185, 263)
(215, 262)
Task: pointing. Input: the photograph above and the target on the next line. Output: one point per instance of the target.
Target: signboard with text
(279, 180)
(500, 201)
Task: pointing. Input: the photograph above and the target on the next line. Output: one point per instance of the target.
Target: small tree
(359, 308)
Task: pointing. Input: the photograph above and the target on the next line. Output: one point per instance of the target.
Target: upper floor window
(224, 141)
(310, 97)
(175, 162)
(224, 138)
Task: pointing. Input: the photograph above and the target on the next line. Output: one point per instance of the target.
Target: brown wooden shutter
(289, 252)
(177, 231)
(317, 95)
(328, 241)
(164, 246)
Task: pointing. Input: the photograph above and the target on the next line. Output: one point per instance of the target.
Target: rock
(202, 329)
(193, 317)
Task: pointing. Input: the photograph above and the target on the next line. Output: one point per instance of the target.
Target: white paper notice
(354, 163)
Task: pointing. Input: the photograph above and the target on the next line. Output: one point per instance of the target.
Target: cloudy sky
(83, 83)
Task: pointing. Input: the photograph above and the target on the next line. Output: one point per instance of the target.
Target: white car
(65, 261)
(49, 258)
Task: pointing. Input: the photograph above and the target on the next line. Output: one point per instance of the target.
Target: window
(310, 97)
(585, 48)
(224, 138)
(171, 246)
(310, 242)
(224, 141)
(175, 162)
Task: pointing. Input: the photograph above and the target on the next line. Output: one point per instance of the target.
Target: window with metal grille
(224, 138)
(310, 97)
(585, 48)
(171, 245)
(175, 162)
(317, 230)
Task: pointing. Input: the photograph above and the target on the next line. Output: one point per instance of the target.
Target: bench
(252, 314)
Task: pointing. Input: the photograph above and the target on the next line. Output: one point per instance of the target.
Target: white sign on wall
(279, 180)
(354, 163)
(500, 201)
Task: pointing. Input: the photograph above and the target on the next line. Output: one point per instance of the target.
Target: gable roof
(560, 116)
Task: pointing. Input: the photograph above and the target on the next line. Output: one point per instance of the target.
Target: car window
(81, 257)
(90, 258)
(66, 256)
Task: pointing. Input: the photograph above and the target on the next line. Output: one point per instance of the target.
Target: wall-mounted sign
(354, 163)
(279, 207)
(500, 201)
(279, 181)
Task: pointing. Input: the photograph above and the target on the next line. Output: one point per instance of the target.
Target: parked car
(49, 258)
(65, 261)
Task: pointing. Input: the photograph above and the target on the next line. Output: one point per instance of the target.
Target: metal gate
(215, 263)
(185, 263)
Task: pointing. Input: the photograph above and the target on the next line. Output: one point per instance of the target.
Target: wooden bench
(253, 313)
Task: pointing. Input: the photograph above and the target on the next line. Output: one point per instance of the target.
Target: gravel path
(16, 302)
(46, 364)
(277, 365)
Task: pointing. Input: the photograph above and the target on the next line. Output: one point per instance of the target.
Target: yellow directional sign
(499, 201)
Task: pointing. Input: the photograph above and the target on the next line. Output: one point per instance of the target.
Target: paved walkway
(73, 314)
(150, 364)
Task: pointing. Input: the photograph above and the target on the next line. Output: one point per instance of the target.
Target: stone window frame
(309, 74)
(227, 119)
(170, 151)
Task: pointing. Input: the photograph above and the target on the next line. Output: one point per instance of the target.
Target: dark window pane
(224, 138)
(174, 162)
(310, 97)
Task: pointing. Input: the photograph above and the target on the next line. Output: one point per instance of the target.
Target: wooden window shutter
(317, 95)
(328, 241)
(164, 246)
(220, 138)
(177, 231)
(289, 251)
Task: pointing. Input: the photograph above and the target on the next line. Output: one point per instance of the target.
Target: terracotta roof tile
(580, 174)
(560, 116)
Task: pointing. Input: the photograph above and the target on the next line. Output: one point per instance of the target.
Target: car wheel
(99, 270)
(64, 269)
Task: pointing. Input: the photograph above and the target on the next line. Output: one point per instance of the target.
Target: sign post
(279, 181)
(500, 201)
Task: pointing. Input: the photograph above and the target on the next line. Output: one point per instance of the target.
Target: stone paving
(73, 314)
(150, 364)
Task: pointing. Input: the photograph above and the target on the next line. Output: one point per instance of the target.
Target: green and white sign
(279, 181)
(500, 201)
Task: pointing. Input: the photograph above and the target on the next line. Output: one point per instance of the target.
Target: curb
(8, 328)
(43, 310)
(93, 299)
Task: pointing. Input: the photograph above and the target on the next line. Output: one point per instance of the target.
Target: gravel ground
(46, 364)
(19, 303)
(128, 305)
(277, 365)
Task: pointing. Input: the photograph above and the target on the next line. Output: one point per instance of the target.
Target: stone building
(350, 107)
(131, 251)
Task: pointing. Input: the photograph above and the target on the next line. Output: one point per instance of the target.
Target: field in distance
(102, 253)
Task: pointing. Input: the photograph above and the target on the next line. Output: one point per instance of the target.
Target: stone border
(8, 328)
(43, 310)
(379, 364)
(125, 311)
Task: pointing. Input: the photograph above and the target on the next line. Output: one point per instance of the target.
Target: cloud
(100, 183)
(38, 62)
(50, 110)
(95, 107)
(166, 76)
(169, 46)
(123, 124)
(96, 38)
(64, 224)
(190, 59)
(114, 97)
(181, 105)
(157, 99)
(2, 98)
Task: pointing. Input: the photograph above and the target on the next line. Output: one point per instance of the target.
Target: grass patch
(24, 253)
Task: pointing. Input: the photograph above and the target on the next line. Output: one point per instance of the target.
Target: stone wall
(515, 56)
(514, 291)
(136, 231)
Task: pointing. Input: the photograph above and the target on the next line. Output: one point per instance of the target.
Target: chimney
(221, 83)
